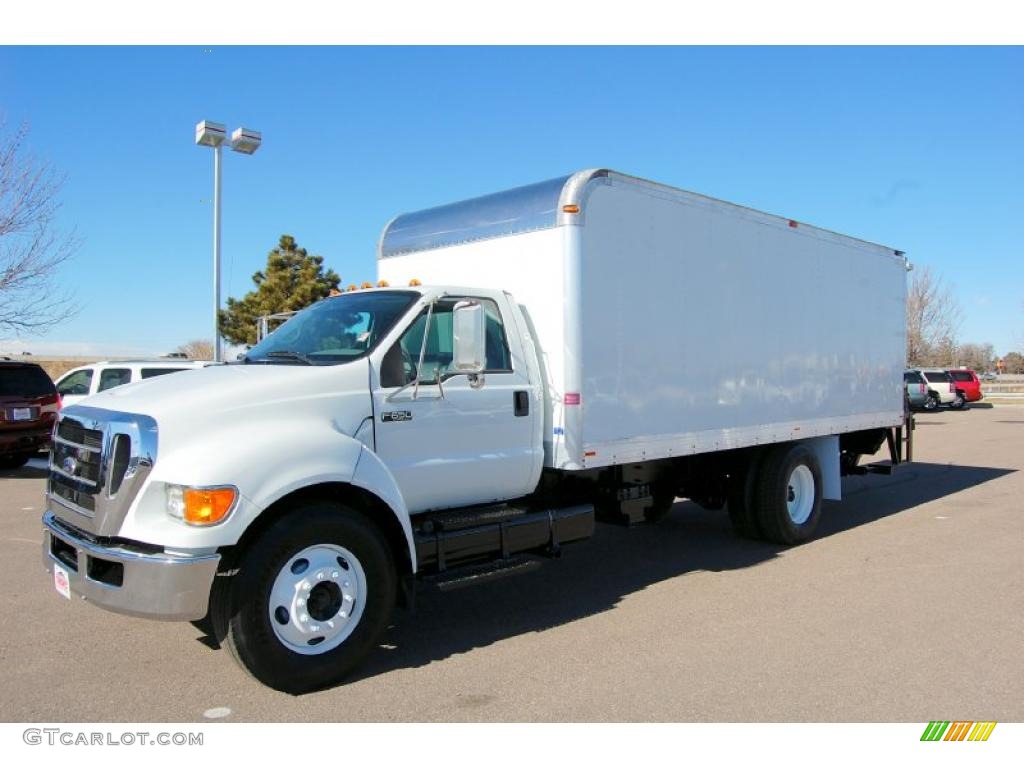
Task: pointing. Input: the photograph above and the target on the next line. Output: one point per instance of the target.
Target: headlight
(200, 506)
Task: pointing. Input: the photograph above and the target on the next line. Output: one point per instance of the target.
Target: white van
(79, 383)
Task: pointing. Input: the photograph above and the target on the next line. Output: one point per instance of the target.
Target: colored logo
(958, 731)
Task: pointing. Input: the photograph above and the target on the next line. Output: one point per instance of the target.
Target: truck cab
(380, 405)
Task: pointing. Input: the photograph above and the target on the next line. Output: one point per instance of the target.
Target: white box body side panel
(530, 267)
(704, 329)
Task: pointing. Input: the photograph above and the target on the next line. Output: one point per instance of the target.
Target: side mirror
(469, 338)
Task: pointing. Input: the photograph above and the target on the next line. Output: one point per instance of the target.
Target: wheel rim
(317, 599)
(800, 494)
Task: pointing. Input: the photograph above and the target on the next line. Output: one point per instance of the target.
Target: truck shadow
(593, 576)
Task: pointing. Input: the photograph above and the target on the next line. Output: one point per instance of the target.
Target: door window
(149, 373)
(399, 366)
(114, 377)
(76, 384)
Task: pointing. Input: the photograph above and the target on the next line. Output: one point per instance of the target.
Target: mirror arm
(423, 351)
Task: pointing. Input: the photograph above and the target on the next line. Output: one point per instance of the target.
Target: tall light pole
(242, 140)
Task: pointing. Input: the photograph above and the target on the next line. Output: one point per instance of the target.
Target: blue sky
(917, 148)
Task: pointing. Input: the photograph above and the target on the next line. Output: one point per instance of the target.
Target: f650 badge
(396, 416)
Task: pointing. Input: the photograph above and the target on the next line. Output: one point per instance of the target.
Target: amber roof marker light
(571, 208)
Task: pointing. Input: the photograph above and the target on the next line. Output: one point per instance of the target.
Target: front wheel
(959, 401)
(311, 597)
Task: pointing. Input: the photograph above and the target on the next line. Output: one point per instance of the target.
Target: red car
(968, 387)
(28, 409)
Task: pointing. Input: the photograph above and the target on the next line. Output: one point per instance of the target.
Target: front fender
(373, 475)
(264, 465)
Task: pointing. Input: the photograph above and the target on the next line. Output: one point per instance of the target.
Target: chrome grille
(73, 432)
(98, 464)
(77, 454)
(70, 491)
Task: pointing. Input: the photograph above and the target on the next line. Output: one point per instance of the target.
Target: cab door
(448, 443)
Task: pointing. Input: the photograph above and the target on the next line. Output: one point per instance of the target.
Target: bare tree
(197, 349)
(977, 357)
(32, 246)
(933, 319)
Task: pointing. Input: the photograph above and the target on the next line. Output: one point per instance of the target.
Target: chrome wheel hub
(800, 494)
(317, 599)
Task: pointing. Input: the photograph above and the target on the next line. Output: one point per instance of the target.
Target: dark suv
(28, 408)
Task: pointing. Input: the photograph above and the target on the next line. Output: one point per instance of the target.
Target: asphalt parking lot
(908, 607)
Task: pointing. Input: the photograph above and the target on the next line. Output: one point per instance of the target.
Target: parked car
(940, 389)
(28, 409)
(989, 376)
(917, 389)
(967, 384)
(79, 383)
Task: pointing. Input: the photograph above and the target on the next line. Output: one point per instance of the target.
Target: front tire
(789, 490)
(959, 402)
(311, 597)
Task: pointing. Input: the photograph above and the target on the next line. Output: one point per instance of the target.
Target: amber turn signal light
(206, 506)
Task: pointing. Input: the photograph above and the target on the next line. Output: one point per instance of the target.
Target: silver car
(917, 390)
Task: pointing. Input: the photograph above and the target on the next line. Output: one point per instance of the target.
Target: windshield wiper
(288, 354)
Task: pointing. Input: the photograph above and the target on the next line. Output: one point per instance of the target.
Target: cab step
(453, 538)
(471, 575)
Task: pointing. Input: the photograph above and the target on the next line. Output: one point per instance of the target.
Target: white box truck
(587, 348)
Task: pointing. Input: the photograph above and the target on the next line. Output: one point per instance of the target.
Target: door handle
(521, 402)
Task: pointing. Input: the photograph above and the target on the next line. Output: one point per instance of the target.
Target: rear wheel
(14, 461)
(788, 494)
(662, 501)
(741, 499)
(932, 403)
(311, 597)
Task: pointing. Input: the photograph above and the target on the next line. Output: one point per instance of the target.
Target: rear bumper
(25, 440)
(150, 585)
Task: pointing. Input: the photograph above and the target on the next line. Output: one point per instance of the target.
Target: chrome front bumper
(153, 585)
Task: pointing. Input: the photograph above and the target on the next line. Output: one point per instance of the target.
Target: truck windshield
(334, 330)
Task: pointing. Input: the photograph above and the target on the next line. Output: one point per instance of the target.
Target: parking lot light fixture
(245, 141)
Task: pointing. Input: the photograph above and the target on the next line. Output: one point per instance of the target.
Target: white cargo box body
(670, 323)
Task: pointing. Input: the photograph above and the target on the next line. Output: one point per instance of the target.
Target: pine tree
(292, 280)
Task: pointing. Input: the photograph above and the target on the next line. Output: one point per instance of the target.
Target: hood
(200, 398)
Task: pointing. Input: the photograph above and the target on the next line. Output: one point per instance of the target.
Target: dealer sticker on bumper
(60, 581)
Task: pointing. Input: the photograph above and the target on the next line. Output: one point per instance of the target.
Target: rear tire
(788, 494)
(14, 461)
(742, 489)
(932, 403)
(310, 598)
(662, 501)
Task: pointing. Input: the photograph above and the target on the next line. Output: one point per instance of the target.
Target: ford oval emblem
(70, 465)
